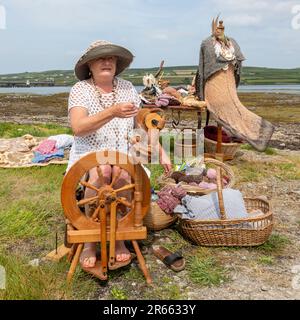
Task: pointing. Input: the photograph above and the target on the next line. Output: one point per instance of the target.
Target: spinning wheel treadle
(102, 225)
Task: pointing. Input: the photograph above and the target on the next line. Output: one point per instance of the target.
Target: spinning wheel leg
(72, 252)
(112, 240)
(103, 237)
(74, 262)
(141, 261)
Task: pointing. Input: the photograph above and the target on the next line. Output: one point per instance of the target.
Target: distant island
(176, 75)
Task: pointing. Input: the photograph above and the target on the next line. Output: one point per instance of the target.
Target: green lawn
(12, 130)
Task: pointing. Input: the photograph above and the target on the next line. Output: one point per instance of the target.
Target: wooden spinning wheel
(102, 225)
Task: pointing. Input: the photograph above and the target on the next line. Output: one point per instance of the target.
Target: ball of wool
(225, 180)
(176, 175)
(161, 102)
(212, 186)
(207, 185)
(168, 203)
(211, 174)
(203, 185)
(191, 178)
(193, 184)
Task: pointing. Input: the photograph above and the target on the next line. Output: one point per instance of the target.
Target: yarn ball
(176, 175)
(203, 185)
(193, 184)
(191, 178)
(161, 102)
(225, 180)
(207, 185)
(211, 174)
(212, 186)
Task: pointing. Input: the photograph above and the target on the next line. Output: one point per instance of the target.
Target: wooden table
(218, 155)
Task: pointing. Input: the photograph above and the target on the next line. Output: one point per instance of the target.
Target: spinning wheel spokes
(86, 201)
(127, 187)
(88, 185)
(125, 202)
(95, 215)
(116, 177)
(100, 175)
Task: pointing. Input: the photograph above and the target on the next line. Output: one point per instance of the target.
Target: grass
(177, 241)
(269, 151)
(164, 289)
(248, 172)
(156, 171)
(48, 281)
(275, 244)
(206, 271)
(34, 209)
(118, 294)
(22, 220)
(266, 260)
(12, 130)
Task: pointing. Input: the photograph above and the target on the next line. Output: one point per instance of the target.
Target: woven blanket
(19, 152)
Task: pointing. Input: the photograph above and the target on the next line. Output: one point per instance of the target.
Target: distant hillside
(176, 75)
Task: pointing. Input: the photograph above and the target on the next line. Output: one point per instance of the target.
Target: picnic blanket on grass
(19, 152)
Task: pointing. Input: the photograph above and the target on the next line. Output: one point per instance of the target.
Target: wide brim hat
(100, 49)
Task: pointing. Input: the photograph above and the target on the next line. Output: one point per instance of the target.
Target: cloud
(244, 20)
(53, 34)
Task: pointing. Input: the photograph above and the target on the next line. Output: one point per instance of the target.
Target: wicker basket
(226, 170)
(228, 149)
(157, 219)
(251, 231)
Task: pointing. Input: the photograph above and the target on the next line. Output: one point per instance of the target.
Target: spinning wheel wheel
(102, 225)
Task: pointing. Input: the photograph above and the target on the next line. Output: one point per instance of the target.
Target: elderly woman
(102, 108)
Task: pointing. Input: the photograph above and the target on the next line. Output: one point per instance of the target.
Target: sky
(39, 35)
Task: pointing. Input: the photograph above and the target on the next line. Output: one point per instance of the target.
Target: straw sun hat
(101, 48)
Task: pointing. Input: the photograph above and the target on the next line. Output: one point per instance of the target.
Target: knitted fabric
(169, 198)
(210, 63)
(47, 146)
(216, 81)
(168, 203)
(226, 108)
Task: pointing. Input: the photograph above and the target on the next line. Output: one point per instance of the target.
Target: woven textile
(211, 62)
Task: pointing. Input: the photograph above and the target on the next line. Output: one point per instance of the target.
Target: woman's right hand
(124, 110)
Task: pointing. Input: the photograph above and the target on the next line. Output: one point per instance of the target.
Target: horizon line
(52, 70)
